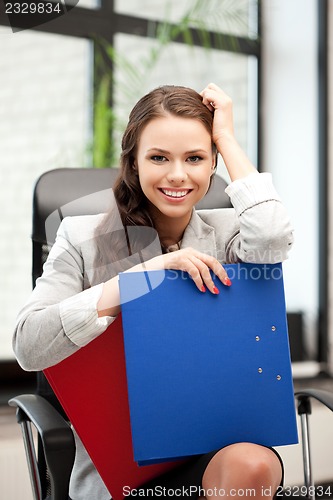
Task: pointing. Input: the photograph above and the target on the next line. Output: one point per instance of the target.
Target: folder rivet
(257, 338)
(260, 370)
(278, 377)
(273, 328)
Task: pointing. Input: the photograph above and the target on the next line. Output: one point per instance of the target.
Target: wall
(44, 124)
(330, 183)
(289, 115)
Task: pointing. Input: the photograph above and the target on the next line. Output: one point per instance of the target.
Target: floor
(14, 477)
(15, 483)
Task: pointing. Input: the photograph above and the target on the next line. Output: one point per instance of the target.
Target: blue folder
(205, 370)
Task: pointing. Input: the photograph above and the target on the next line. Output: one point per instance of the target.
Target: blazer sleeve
(60, 316)
(265, 234)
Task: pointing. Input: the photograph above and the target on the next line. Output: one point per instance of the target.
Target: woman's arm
(265, 233)
(59, 316)
(236, 161)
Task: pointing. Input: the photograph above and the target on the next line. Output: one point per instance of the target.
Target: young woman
(169, 153)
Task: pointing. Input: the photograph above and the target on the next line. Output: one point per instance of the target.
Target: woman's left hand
(220, 103)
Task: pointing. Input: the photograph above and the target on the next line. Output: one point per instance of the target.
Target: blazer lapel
(200, 236)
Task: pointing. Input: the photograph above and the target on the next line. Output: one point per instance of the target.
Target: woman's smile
(175, 195)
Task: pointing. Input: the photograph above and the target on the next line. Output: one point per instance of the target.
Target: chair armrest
(54, 431)
(324, 397)
(56, 437)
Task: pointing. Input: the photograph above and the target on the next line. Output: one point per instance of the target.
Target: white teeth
(175, 194)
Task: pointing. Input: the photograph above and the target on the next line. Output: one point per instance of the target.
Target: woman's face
(174, 162)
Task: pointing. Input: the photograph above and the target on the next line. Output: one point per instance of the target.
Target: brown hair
(131, 201)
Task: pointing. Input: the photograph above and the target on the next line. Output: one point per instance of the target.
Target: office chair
(59, 193)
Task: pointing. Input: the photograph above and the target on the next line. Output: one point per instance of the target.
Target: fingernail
(203, 289)
(227, 281)
(216, 290)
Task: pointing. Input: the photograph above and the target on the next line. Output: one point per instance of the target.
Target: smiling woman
(168, 159)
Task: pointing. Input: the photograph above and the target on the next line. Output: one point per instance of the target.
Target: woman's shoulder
(79, 228)
(218, 217)
(222, 221)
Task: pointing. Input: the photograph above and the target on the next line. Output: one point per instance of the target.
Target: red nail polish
(227, 281)
(203, 289)
(216, 290)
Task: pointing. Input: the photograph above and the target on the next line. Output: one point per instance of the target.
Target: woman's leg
(242, 470)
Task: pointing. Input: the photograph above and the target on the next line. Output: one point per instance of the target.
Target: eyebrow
(158, 149)
(164, 151)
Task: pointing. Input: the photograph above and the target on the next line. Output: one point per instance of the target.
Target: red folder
(91, 385)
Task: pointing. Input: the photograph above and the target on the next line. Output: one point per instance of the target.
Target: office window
(194, 67)
(85, 4)
(45, 103)
(228, 16)
(46, 100)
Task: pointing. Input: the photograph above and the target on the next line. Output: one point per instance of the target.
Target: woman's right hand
(197, 264)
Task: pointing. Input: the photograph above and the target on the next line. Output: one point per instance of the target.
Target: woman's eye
(194, 159)
(158, 158)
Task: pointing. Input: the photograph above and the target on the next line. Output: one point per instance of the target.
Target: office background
(274, 61)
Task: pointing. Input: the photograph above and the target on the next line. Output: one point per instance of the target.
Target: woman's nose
(177, 173)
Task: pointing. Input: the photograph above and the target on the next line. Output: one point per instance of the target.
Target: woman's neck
(171, 230)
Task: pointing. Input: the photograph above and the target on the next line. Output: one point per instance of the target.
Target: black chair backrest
(57, 189)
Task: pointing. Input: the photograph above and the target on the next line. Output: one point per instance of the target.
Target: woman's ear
(214, 163)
